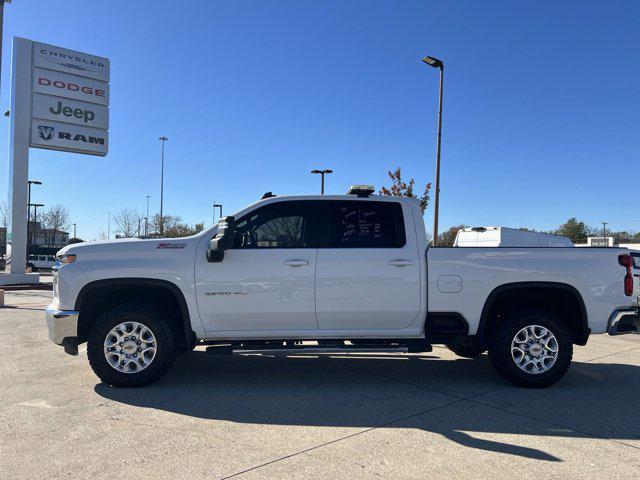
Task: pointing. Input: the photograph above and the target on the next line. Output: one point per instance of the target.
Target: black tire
(467, 349)
(159, 324)
(33, 269)
(500, 348)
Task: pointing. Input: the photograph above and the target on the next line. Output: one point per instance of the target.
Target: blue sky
(541, 115)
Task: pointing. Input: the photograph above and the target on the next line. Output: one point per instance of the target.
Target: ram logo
(46, 133)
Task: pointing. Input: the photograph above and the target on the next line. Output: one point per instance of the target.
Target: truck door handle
(400, 263)
(296, 263)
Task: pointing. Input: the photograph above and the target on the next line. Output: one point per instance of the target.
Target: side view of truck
(335, 272)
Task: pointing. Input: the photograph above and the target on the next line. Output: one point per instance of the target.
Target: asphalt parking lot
(349, 416)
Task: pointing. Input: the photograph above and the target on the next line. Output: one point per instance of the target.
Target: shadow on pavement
(367, 391)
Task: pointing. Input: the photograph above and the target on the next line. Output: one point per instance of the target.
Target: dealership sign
(68, 137)
(70, 86)
(69, 100)
(59, 101)
(59, 109)
(75, 63)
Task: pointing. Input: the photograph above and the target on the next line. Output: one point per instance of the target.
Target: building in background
(46, 237)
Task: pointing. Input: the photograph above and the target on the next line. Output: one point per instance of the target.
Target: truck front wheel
(531, 349)
(131, 345)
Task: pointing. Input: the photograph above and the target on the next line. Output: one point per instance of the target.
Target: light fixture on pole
(322, 174)
(216, 205)
(162, 139)
(435, 63)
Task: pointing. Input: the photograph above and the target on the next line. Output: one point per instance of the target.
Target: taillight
(627, 262)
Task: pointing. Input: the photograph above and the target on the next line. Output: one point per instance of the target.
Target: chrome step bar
(315, 349)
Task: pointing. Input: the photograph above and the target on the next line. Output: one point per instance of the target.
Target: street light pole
(146, 220)
(435, 63)
(74, 231)
(109, 227)
(322, 174)
(216, 205)
(2, 2)
(30, 182)
(162, 139)
(35, 220)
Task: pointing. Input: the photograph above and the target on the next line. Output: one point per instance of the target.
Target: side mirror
(222, 241)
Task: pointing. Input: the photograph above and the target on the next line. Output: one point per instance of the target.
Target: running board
(317, 349)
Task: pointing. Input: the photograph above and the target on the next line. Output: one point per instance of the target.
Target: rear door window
(361, 224)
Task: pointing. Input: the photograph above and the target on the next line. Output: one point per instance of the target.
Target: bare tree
(4, 223)
(171, 222)
(57, 218)
(102, 236)
(127, 222)
(4, 214)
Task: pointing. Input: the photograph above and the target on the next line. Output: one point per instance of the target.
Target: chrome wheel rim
(130, 347)
(534, 349)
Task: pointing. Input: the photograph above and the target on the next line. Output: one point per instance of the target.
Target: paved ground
(390, 416)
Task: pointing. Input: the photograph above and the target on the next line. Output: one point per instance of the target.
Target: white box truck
(507, 237)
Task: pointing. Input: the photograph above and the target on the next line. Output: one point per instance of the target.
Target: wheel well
(97, 297)
(563, 300)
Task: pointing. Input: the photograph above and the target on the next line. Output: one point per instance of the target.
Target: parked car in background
(507, 237)
(41, 262)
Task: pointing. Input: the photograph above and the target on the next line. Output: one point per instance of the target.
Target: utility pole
(74, 231)
(162, 139)
(604, 233)
(109, 227)
(435, 63)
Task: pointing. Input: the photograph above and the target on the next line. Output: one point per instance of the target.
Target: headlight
(68, 258)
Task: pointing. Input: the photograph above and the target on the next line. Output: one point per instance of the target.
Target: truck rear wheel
(531, 348)
(131, 345)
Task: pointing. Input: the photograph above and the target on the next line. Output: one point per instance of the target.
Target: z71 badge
(217, 294)
(171, 245)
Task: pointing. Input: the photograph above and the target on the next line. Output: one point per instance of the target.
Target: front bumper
(624, 320)
(63, 328)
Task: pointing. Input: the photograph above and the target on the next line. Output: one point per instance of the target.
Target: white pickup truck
(348, 272)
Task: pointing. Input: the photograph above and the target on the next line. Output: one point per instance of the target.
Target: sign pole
(19, 154)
